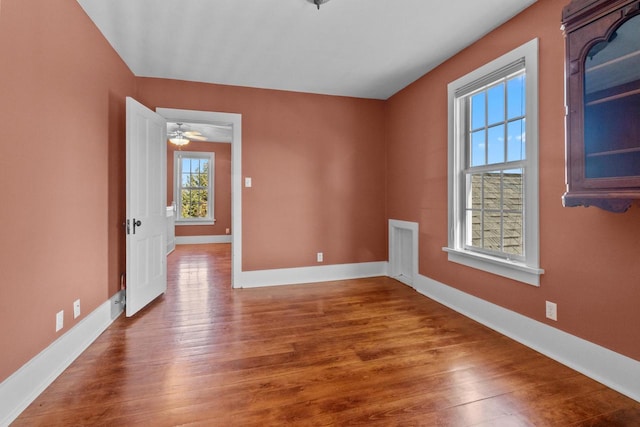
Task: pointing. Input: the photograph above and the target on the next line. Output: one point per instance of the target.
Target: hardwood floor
(359, 352)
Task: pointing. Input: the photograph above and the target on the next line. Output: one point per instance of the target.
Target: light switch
(247, 181)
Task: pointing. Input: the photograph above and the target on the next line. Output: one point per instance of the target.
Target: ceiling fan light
(179, 141)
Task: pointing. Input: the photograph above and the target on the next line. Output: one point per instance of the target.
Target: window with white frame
(493, 167)
(193, 189)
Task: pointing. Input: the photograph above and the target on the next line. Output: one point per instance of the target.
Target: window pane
(185, 208)
(478, 111)
(475, 231)
(474, 186)
(512, 240)
(199, 203)
(194, 203)
(492, 191)
(492, 238)
(495, 102)
(513, 190)
(496, 144)
(195, 180)
(516, 138)
(515, 97)
(478, 147)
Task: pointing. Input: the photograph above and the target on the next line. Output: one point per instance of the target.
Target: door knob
(136, 223)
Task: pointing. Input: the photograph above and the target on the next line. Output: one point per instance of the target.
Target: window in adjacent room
(493, 167)
(193, 194)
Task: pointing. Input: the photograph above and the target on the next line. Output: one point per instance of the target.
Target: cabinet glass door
(612, 104)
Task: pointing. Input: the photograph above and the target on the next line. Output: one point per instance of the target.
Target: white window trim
(527, 271)
(209, 220)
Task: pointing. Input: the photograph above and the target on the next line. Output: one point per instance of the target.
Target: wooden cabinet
(603, 103)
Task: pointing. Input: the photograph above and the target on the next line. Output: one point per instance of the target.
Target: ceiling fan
(181, 136)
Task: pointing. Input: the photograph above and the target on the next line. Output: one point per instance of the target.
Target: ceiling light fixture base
(318, 2)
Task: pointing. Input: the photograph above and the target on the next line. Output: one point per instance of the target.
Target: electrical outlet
(76, 309)
(59, 320)
(552, 310)
(320, 257)
(247, 182)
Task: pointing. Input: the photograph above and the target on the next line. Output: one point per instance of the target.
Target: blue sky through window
(191, 167)
(496, 116)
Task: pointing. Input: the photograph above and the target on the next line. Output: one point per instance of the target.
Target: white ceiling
(360, 48)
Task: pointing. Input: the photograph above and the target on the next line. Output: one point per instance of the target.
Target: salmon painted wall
(318, 169)
(590, 256)
(62, 91)
(222, 187)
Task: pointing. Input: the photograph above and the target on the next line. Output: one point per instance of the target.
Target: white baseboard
(23, 386)
(404, 279)
(199, 240)
(612, 369)
(324, 273)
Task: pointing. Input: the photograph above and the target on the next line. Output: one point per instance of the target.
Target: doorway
(235, 121)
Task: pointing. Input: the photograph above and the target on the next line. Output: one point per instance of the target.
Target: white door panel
(146, 206)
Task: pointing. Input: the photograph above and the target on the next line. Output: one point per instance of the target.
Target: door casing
(235, 120)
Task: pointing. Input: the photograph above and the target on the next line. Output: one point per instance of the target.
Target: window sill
(196, 222)
(511, 269)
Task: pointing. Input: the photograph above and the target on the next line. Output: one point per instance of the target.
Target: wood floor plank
(359, 352)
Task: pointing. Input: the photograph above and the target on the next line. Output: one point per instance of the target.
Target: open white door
(146, 206)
